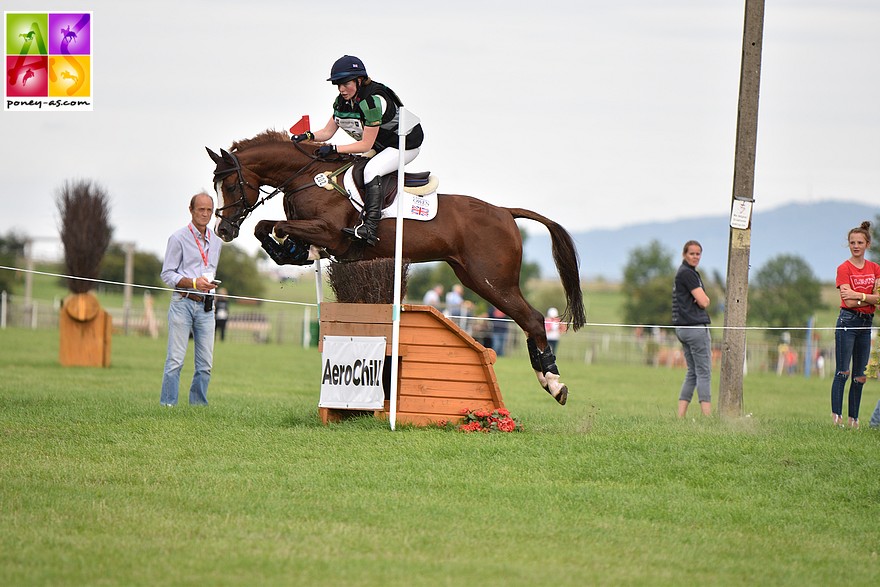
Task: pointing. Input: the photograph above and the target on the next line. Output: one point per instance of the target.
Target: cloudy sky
(598, 114)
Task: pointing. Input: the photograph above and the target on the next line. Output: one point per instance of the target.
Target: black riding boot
(369, 226)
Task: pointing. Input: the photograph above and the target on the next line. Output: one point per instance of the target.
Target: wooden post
(29, 280)
(86, 332)
(736, 307)
(127, 288)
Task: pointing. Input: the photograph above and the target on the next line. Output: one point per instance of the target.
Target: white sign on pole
(741, 214)
(351, 372)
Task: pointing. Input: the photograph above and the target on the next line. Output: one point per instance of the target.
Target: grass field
(102, 486)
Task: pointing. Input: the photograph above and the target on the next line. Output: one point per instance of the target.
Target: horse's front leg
(286, 250)
(315, 231)
(264, 228)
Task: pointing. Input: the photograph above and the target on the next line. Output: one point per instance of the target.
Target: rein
(246, 208)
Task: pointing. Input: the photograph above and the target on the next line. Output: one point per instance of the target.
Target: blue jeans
(499, 340)
(697, 347)
(185, 316)
(852, 342)
(875, 417)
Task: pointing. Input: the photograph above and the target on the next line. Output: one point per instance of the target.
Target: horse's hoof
(316, 253)
(556, 388)
(562, 396)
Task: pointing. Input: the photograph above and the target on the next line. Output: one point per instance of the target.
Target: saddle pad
(415, 206)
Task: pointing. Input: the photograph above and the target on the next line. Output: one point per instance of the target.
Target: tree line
(782, 292)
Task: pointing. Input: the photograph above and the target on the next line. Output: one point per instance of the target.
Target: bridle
(234, 166)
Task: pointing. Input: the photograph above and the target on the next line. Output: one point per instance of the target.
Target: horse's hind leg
(544, 364)
(509, 299)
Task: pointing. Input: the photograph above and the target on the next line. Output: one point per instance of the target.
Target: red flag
(301, 126)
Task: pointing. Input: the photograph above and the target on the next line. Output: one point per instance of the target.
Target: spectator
(191, 258)
(858, 280)
(820, 364)
(454, 299)
(432, 296)
(481, 330)
(689, 303)
(499, 330)
(554, 328)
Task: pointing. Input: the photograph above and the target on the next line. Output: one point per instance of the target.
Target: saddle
(388, 183)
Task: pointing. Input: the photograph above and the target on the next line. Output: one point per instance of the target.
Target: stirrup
(355, 233)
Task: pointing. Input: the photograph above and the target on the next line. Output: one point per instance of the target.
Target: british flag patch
(419, 211)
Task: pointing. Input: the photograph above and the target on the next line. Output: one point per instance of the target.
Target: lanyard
(199, 244)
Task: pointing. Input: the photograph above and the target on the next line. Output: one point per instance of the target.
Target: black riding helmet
(345, 69)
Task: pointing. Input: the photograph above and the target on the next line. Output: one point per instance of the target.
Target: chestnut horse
(480, 241)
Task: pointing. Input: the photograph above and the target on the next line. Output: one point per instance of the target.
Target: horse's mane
(267, 136)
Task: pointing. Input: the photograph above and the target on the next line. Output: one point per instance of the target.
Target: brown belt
(193, 297)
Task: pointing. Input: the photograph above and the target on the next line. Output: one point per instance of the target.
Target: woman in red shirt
(858, 280)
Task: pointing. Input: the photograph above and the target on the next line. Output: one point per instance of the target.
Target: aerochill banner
(48, 61)
(351, 372)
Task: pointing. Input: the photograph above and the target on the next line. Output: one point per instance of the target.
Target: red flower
(472, 427)
(507, 425)
(481, 420)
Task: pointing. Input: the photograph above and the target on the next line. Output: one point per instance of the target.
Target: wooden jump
(442, 369)
(86, 331)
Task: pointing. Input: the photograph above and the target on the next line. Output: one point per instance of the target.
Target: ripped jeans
(852, 343)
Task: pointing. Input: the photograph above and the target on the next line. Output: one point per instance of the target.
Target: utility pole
(733, 351)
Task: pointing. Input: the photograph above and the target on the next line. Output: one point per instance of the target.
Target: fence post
(307, 327)
(127, 288)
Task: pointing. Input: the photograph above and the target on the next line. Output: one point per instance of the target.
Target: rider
(369, 112)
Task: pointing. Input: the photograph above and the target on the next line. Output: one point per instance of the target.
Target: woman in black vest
(689, 303)
(369, 113)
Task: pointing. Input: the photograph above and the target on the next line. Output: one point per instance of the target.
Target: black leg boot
(368, 228)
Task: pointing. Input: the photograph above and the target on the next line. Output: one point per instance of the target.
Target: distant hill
(815, 232)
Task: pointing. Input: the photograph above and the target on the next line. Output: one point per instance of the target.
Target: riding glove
(325, 151)
(306, 136)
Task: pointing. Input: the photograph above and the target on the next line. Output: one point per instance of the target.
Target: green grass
(102, 486)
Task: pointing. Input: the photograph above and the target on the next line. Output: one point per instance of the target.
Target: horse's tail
(567, 263)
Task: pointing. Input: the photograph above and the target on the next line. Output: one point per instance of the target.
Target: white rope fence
(480, 318)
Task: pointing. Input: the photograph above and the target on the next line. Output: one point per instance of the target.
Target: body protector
(374, 105)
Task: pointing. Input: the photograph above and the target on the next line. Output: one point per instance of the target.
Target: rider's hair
(362, 81)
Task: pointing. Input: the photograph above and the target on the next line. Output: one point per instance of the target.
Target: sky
(596, 114)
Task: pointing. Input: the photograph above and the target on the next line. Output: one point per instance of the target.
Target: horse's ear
(227, 156)
(214, 156)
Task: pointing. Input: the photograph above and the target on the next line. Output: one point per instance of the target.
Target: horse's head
(238, 191)
(268, 159)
